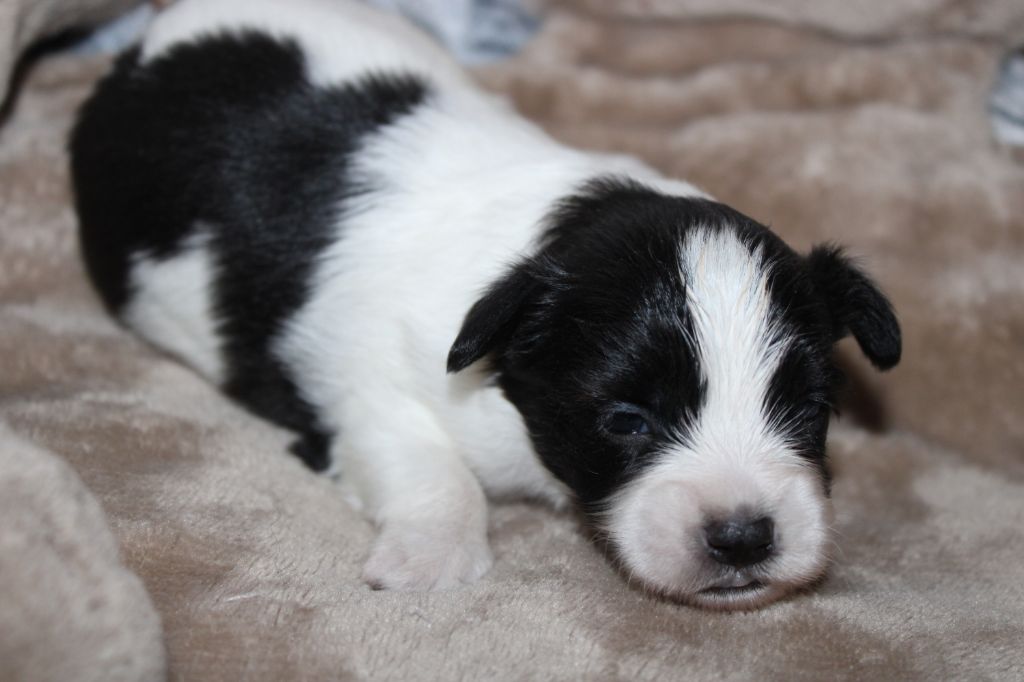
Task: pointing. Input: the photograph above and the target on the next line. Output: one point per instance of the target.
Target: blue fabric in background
(476, 31)
(116, 35)
(1007, 103)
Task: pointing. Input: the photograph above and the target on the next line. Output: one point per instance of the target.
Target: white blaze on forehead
(738, 341)
(732, 459)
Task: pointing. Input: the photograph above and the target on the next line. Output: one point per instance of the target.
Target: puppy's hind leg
(429, 508)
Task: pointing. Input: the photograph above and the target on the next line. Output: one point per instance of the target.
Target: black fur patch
(857, 306)
(226, 135)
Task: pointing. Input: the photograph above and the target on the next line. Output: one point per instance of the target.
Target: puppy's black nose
(740, 543)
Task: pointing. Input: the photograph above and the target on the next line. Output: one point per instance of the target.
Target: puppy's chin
(748, 596)
(655, 527)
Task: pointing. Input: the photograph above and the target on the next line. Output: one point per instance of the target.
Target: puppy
(311, 205)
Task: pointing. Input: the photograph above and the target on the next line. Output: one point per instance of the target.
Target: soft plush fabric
(865, 126)
(70, 609)
(23, 22)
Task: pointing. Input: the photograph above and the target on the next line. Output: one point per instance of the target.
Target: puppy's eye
(623, 423)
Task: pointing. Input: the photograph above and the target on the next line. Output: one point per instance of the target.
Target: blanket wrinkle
(71, 609)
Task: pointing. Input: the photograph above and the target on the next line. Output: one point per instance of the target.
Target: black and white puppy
(314, 207)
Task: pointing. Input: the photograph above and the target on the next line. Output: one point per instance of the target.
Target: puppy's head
(672, 360)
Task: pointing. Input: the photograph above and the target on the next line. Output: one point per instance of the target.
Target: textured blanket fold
(70, 608)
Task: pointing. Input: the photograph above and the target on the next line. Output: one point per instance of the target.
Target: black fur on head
(591, 338)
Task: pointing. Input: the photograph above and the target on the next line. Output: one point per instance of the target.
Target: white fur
(171, 306)
(412, 261)
(733, 461)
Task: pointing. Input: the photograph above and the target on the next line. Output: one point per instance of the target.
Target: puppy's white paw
(423, 557)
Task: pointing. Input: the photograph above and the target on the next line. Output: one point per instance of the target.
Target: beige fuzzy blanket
(150, 528)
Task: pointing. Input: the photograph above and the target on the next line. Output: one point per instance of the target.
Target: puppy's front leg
(428, 506)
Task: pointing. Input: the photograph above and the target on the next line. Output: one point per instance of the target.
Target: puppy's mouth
(733, 590)
(735, 595)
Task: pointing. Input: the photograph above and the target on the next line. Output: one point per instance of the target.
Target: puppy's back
(208, 178)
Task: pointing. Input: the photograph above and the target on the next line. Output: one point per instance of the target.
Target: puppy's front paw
(423, 557)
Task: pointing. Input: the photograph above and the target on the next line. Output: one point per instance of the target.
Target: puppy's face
(672, 360)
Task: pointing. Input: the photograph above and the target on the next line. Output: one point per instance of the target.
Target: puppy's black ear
(493, 319)
(857, 306)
